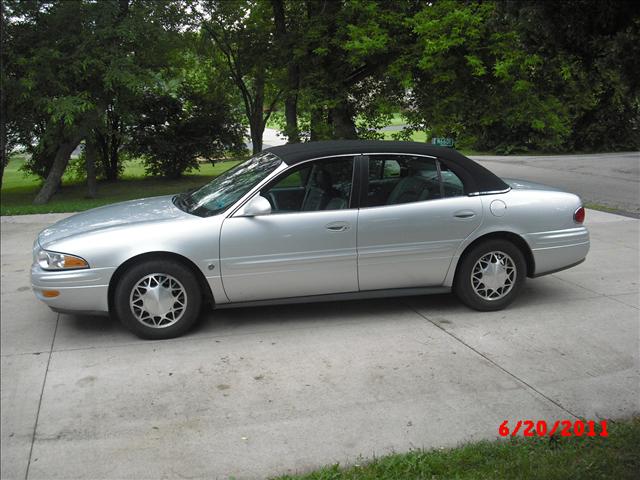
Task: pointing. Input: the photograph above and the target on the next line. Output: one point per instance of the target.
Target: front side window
(219, 194)
(319, 185)
(396, 179)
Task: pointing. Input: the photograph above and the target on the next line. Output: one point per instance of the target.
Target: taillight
(578, 215)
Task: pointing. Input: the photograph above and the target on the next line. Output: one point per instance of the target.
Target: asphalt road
(256, 392)
(605, 179)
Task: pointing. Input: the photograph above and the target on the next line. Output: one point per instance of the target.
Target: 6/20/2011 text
(564, 428)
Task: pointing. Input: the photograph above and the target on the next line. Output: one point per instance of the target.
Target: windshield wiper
(180, 201)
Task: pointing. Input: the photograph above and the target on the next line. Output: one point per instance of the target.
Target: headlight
(59, 261)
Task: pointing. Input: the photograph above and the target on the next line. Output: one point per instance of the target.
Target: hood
(517, 184)
(125, 213)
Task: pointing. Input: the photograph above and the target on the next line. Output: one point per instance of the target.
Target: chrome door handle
(338, 227)
(464, 214)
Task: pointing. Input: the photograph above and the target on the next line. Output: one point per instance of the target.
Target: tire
(158, 299)
(497, 262)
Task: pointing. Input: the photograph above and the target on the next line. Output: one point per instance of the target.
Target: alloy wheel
(493, 275)
(158, 300)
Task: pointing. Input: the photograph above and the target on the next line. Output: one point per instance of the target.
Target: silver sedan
(311, 222)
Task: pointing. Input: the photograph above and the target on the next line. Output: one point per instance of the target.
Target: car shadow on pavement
(271, 318)
(369, 312)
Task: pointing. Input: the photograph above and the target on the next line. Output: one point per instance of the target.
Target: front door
(415, 217)
(306, 246)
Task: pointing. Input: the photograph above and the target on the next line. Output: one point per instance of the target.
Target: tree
(475, 80)
(178, 129)
(350, 49)
(116, 50)
(241, 31)
(590, 50)
(7, 89)
(288, 24)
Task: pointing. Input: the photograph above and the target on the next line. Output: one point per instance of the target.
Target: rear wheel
(158, 299)
(491, 275)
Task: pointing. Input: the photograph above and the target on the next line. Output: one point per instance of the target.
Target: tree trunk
(344, 128)
(291, 104)
(293, 73)
(3, 162)
(90, 154)
(318, 125)
(254, 112)
(60, 162)
(113, 161)
(256, 129)
(108, 138)
(4, 151)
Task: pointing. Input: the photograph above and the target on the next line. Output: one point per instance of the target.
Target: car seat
(321, 194)
(409, 189)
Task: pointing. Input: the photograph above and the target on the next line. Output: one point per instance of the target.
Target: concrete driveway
(264, 391)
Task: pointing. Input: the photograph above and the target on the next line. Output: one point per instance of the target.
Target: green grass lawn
(415, 136)
(19, 190)
(615, 457)
(398, 119)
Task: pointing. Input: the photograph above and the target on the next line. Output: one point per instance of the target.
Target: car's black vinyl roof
(475, 177)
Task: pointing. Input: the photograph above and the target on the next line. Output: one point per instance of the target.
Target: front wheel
(491, 275)
(158, 299)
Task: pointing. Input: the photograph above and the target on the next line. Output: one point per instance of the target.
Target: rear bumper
(558, 250)
(566, 267)
(79, 290)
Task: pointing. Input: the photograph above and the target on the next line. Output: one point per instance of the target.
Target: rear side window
(451, 183)
(380, 169)
(397, 179)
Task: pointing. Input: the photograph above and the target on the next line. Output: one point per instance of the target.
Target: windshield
(219, 194)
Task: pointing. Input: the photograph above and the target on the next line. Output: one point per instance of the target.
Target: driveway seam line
(44, 382)
(17, 354)
(613, 297)
(493, 362)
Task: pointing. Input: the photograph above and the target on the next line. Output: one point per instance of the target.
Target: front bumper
(84, 290)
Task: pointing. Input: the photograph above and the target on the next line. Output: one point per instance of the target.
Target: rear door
(408, 234)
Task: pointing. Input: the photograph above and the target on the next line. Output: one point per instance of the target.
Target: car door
(407, 238)
(305, 246)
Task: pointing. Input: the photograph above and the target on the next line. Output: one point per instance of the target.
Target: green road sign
(442, 141)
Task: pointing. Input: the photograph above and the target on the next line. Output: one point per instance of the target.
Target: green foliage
(589, 52)
(495, 74)
(178, 130)
(477, 82)
(104, 73)
(241, 37)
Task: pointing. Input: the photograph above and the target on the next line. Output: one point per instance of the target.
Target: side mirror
(255, 207)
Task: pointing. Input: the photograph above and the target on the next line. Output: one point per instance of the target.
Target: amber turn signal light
(50, 293)
(74, 262)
